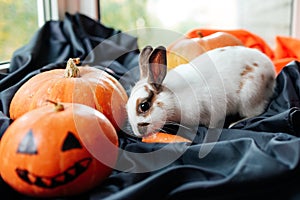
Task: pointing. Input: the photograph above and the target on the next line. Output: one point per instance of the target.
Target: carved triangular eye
(27, 144)
(70, 142)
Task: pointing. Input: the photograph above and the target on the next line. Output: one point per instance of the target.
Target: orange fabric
(287, 47)
(286, 50)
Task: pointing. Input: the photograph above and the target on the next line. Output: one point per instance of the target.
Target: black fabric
(256, 158)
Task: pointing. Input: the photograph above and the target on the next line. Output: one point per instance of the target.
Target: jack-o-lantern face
(45, 156)
(28, 146)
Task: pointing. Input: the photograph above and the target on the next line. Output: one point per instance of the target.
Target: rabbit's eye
(144, 106)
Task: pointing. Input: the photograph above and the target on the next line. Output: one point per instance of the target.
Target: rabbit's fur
(224, 81)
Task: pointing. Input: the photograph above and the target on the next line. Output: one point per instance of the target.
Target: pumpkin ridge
(111, 98)
(46, 91)
(40, 94)
(24, 94)
(83, 92)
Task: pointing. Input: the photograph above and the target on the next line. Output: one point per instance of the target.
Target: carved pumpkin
(185, 49)
(67, 151)
(84, 85)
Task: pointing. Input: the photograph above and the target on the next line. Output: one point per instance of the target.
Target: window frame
(296, 19)
(56, 9)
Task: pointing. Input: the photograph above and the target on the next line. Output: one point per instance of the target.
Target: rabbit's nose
(142, 127)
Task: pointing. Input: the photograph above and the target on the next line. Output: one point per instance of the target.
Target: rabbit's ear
(157, 66)
(144, 61)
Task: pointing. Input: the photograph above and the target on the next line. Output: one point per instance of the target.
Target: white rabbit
(224, 81)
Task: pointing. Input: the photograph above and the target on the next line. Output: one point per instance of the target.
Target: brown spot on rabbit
(150, 98)
(247, 70)
(241, 85)
(160, 104)
(255, 64)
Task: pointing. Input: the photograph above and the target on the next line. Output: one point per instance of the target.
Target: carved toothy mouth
(63, 178)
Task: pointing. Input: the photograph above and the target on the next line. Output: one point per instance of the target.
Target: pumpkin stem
(58, 106)
(200, 35)
(72, 70)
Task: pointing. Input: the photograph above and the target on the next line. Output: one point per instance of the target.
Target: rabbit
(223, 81)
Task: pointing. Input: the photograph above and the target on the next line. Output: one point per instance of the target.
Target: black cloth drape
(256, 158)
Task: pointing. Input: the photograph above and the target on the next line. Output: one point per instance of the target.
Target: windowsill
(4, 67)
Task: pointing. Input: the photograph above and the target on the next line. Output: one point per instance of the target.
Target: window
(18, 21)
(265, 18)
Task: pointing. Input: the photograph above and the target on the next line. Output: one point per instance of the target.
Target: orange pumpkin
(47, 152)
(186, 49)
(85, 85)
(164, 138)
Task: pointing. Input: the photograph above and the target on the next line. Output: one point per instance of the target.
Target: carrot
(164, 138)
